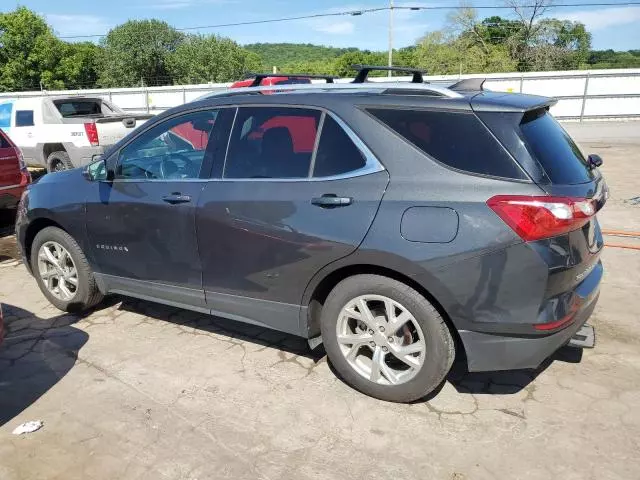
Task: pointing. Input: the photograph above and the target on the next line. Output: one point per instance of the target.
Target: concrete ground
(135, 390)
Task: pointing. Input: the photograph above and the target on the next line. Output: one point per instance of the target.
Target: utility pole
(390, 35)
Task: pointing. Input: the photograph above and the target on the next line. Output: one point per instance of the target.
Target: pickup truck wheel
(63, 272)
(59, 161)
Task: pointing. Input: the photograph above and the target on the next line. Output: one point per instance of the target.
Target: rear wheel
(385, 339)
(62, 271)
(59, 161)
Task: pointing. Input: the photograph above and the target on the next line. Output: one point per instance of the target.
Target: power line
(356, 13)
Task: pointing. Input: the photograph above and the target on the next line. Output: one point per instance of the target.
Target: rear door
(298, 191)
(568, 174)
(555, 162)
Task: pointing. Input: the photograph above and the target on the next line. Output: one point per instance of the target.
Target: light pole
(390, 35)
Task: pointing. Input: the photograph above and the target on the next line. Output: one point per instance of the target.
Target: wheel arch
(322, 284)
(49, 148)
(35, 227)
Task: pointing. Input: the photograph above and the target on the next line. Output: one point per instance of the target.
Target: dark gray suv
(398, 224)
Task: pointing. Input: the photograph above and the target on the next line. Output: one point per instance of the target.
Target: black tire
(59, 161)
(440, 351)
(87, 294)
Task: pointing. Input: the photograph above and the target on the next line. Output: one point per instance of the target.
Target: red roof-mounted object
(258, 79)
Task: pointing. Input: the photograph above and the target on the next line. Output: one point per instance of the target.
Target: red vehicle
(267, 79)
(14, 176)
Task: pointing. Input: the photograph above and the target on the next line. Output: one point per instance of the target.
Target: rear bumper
(493, 351)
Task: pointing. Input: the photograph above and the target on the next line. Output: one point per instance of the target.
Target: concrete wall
(592, 94)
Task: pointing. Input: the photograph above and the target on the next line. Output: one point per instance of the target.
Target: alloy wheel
(57, 270)
(381, 339)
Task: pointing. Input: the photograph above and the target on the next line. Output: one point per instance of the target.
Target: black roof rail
(259, 77)
(469, 85)
(364, 70)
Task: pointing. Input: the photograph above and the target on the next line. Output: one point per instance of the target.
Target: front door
(141, 226)
(297, 194)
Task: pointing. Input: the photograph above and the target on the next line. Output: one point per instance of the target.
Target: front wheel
(62, 271)
(385, 339)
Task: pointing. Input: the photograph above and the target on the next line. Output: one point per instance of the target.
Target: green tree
(136, 52)
(202, 58)
(29, 52)
(313, 67)
(79, 65)
(342, 65)
(284, 54)
(612, 59)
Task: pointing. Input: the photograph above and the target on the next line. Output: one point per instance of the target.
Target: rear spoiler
(364, 70)
(259, 77)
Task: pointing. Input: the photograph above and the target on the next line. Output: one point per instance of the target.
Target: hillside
(280, 54)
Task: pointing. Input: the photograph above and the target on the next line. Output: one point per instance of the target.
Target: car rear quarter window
(272, 142)
(337, 154)
(456, 139)
(554, 149)
(24, 118)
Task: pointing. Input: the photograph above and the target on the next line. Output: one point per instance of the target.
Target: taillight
(537, 217)
(21, 163)
(25, 177)
(92, 134)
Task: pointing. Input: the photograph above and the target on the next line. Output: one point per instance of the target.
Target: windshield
(554, 149)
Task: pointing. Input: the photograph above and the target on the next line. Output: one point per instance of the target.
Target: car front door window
(171, 150)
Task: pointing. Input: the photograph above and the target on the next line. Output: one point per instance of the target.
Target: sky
(614, 27)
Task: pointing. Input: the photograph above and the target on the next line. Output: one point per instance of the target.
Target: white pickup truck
(64, 132)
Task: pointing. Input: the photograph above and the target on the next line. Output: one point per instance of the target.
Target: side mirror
(96, 171)
(594, 161)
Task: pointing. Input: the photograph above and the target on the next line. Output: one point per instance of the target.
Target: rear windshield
(458, 140)
(79, 108)
(554, 149)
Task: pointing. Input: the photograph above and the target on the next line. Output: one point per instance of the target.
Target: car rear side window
(337, 154)
(554, 149)
(458, 140)
(24, 118)
(272, 142)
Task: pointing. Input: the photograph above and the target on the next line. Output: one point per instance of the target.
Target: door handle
(331, 200)
(176, 197)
